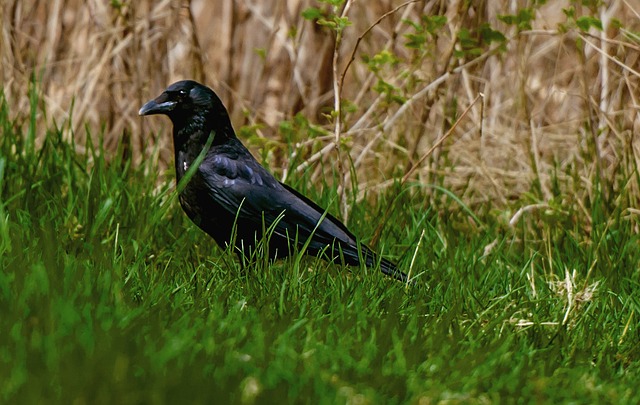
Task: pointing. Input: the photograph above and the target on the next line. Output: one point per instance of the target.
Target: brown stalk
(416, 165)
(337, 106)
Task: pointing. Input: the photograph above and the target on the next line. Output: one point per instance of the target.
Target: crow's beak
(160, 105)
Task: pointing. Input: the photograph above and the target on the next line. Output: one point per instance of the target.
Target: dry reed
(552, 99)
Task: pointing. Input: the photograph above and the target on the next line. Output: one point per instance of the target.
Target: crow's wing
(241, 182)
(246, 189)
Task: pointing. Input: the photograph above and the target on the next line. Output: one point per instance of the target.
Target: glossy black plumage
(231, 187)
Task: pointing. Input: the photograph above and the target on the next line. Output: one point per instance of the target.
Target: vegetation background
(494, 142)
(551, 91)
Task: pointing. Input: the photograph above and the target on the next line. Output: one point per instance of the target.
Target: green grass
(108, 294)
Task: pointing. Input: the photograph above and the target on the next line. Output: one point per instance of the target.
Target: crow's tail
(391, 269)
(386, 266)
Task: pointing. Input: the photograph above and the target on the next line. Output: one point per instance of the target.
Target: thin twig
(611, 58)
(337, 106)
(364, 34)
(415, 166)
(391, 121)
(439, 142)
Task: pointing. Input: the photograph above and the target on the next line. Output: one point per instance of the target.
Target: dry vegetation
(553, 100)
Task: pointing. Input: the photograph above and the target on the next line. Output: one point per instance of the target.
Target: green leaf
(570, 12)
(490, 35)
(415, 41)
(342, 22)
(522, 20)
(434, 23)
(312, 13)
(326, 23)
(413, 24)
(584, 23)
(334, 3)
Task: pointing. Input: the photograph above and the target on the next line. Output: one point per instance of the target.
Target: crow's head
(183, 100)
(195, 111)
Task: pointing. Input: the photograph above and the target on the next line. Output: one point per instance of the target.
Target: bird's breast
(182, 164)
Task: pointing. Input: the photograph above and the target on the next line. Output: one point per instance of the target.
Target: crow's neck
(192, 135)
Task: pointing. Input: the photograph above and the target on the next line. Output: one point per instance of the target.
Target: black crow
(231, 190)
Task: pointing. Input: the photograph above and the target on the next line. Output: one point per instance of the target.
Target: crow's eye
(180, 95)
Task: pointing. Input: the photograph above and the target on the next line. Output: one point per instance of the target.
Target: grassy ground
(109, 295)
